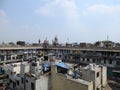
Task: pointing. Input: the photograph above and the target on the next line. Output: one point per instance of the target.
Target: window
(21, 80)
(110, 61)
(104, 61)
(11, 73)
(27, 81)
(14, 72)
(94, 60)
(10, 81)
(32, 86)
(13, 58)
(7, 76)
(118, 62)
(14, 84)
(8, 84)
(97, 74)
(97, 89)
(61, 70)
(83, 59)
(17, 82)
(88, 59)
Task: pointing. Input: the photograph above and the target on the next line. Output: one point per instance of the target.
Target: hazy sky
(78, 20)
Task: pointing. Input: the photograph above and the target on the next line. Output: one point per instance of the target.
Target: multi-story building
(13, 75)
(95, 73)
(2, 80)
(25, 68)
(91, 77)
(31, 75)
(35, 75)
(109, 57)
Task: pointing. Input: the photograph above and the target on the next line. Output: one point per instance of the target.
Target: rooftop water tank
(91, 66)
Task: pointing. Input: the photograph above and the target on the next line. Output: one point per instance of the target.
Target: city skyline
(78, 20)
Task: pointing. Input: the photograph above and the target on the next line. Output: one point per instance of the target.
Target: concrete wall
(12, 76)
(104, 76)
(43, 83)
(98, 81)
(14, 69)
(28, 82)
(60, 82)
(24, 69)
(91, 75)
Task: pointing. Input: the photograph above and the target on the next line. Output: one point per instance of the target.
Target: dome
(46, 41)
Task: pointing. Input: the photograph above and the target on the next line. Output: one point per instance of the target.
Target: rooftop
(79, 80)
(35, 77)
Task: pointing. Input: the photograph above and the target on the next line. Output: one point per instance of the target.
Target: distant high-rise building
(21, 43)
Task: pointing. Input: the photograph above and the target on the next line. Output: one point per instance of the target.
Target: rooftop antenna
(107, 37)
(67, 40)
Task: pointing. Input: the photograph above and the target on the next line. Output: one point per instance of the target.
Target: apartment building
(13, 75)
(31, 75)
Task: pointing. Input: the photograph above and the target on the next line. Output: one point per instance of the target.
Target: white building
(35, 75)
(95, 73)
(33, 82)
(25, 68)
(37, 78)
(32, 75)
(13, 73)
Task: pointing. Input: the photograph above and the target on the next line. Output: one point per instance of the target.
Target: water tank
(91, 66)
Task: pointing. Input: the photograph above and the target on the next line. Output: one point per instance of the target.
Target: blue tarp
(75, 74)
(47, 66)
(1, 70)
(63, 65)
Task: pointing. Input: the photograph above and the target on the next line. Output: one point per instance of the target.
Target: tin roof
(63, 65)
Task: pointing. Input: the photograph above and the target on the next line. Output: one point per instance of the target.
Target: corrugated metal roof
(63, 65)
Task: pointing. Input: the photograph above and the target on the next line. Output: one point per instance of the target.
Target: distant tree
(39, 41)
(107, 41)
(11, 43)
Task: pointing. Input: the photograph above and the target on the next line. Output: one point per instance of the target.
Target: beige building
(62, 81)
(95, 73)
(90, 77)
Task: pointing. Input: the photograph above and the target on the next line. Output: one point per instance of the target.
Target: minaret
(55, 41)
(107, 37)
(39, 42)
(67, 43)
